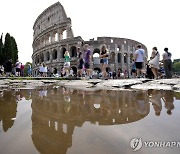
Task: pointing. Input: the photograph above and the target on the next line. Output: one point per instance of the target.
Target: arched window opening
(96, 50)
(119, 57)
(63, 50)
(131, 57)
(56, 37)
(42, 57)
(73, 51)
(54, 54)
(112, 56)
(47, 56)
(38, 59)
(125, 58)
(64, 34)
(49, 39)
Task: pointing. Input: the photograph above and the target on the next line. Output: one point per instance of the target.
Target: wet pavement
(55, 120)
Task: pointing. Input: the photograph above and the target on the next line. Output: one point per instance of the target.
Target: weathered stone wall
(52, 37)
(121, 51)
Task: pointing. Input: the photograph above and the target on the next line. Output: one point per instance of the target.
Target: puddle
(53, 120)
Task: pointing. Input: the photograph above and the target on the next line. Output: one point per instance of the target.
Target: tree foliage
(9, 49)
(176, 66)
(1, 50)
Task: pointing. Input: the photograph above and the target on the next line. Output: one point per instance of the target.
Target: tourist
(114, 75)
(44, 70)
(139, 59)
(87, 60)
(149, 73)
(62, 72)
(1, 70)
(22, 70)
(51, 71)
(80, 63)
(18, 68)
(155, 99)
(154, 62)
(71, 72)
(133, 69)
(41, 69)
(168, 99)
(119, 73)
(43, 92)
(29, 70)
(126, 74)
(66, 62)
(104, 61)
(167, 63)
(8, 68)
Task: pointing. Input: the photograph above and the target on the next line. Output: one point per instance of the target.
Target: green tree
(10, 50)
(14, 50)
(7, 50)
(176, 67)
(1, 50)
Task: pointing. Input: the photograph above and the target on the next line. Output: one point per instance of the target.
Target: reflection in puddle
(57, 113)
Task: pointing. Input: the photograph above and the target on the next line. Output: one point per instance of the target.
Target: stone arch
(112, 56)
(125, 57)
(131, 57)
(55, 36)
(55, 70)
(41, 57)
(119, 57)
(73, 51)
(118, 48)
(96, 50)
(38, 60)
(64, 34)
(48, 39)
(63, 50)
(47, 56)
(54, 55)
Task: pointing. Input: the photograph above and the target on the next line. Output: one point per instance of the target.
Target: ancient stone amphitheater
(53, 35)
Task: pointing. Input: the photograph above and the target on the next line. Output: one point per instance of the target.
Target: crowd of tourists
(155, 68)
(17, 69)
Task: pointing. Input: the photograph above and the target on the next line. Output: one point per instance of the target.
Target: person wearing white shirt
(139, 59)
(167, 63)
(44, 70)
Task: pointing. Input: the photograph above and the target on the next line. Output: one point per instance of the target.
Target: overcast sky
(151, 22)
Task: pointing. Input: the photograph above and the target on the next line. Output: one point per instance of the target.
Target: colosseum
(53, 35)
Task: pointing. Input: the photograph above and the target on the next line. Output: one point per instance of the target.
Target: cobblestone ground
(94, 84)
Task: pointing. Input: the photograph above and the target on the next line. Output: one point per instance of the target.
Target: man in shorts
(139, 59)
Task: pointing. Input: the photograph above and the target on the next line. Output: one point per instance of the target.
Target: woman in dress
(44, 70)
(154, 62)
